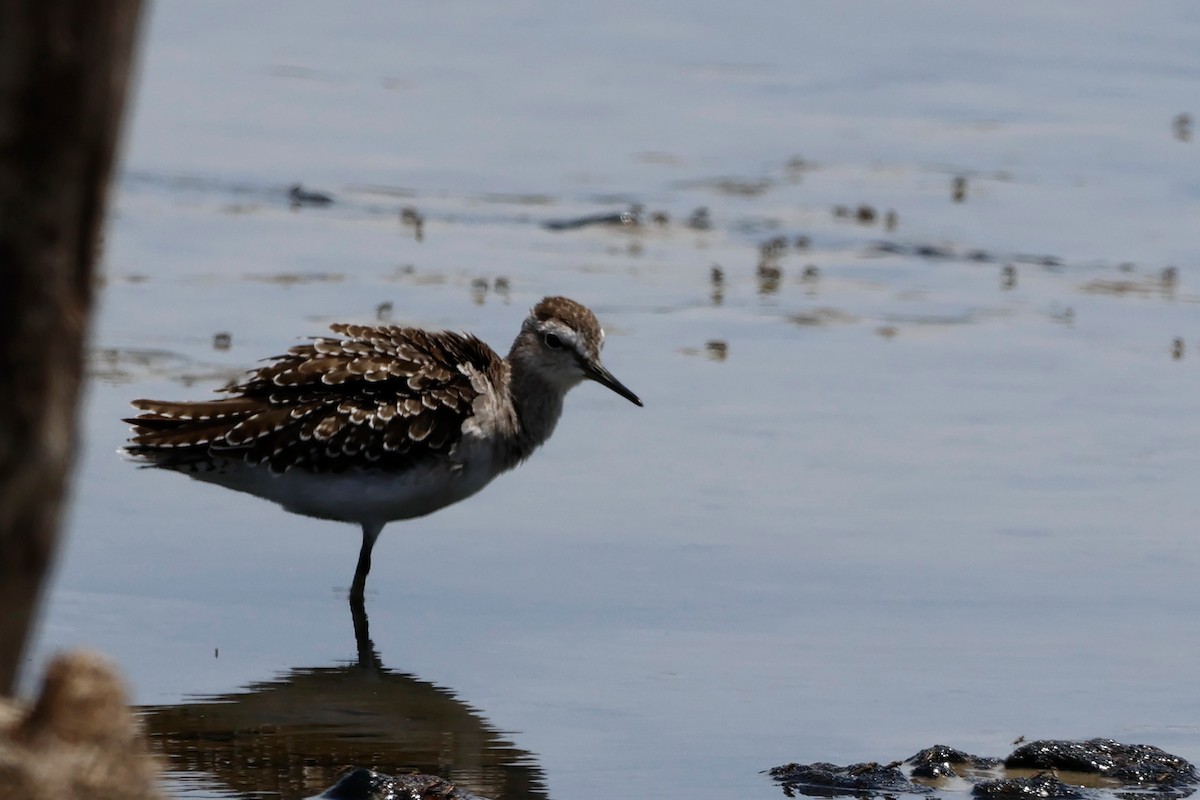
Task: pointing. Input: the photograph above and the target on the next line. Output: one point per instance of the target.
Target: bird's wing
(383, 396)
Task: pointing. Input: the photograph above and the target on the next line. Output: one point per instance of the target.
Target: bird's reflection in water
(293, 736)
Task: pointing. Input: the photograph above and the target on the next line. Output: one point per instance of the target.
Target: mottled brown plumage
(382, 397)
(383, 423)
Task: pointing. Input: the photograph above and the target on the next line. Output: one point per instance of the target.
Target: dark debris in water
(630, 218)
(700, 219)
(1182, 126)
(1125, 770)
(300, 196)
(958, 190)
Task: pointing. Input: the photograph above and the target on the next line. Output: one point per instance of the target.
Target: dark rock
(1141, 764)
(829, 780)
(1041, 785)
(1123, 771)
(360, 785)
(941, 761)
(366, 784)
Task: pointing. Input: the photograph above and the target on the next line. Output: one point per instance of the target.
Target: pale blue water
(834, 544)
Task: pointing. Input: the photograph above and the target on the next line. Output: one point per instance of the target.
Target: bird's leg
(368, 656)
(370, 532)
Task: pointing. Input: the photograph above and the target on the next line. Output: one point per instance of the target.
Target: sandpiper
(384, 423)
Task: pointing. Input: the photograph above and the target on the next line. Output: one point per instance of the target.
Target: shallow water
(916, 499)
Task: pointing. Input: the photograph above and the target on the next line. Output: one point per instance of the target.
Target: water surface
(914, 499)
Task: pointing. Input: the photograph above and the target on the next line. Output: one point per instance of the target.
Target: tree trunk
(64, 67)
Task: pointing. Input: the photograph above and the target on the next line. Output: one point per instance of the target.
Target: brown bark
(64, 67)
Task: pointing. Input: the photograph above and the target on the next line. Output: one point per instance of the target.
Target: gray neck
(538, 405)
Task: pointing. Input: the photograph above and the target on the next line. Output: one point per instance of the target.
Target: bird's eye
(553, 341)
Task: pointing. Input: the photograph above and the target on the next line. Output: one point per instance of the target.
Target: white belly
(355, 495)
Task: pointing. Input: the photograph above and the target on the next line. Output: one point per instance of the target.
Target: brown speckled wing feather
(387, 397)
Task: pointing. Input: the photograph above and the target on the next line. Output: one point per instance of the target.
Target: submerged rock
(1125, 771)
(829, 780)
(1041, 785)
(366, 784)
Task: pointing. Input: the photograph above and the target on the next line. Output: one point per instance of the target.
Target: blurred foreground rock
(78, 740)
